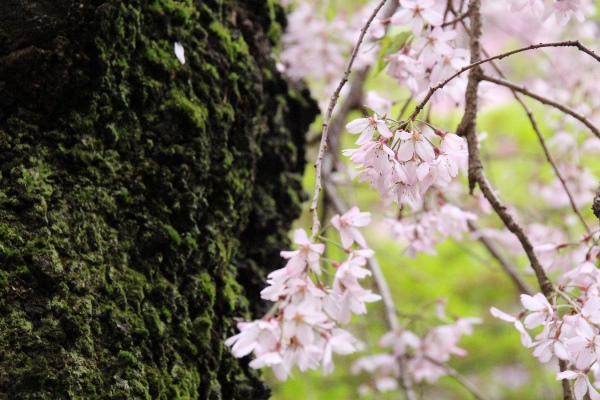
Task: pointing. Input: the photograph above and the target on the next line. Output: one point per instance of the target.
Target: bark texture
(141, 201)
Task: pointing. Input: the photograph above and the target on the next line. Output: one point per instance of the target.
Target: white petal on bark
(180, 52)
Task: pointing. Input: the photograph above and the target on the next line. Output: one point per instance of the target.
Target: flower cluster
(570, 323)
(316, 48)
(303, 327)
(430, 55)
(425, 357)
(403, 164)
(561, 9)
(425, 229)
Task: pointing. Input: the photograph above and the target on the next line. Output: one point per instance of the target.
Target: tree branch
(467, 128)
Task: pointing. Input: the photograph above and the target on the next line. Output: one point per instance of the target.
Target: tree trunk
(141, 201)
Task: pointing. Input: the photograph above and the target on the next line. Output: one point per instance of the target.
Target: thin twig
(508, 267)
(352, 101)
(552, 162)
(543, 100)
(432, 90)
(459, 378)
(455, 21)
(316, 224)
(383, 289)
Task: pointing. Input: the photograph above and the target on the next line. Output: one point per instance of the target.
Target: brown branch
(535, 127)
(467, 126)
(481, 179)
(596, 204)
(543, 100)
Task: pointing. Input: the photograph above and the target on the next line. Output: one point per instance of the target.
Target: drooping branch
(316, 224)
(383, 289)
(459, 378)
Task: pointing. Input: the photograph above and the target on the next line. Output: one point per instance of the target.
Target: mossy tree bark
(141, 201)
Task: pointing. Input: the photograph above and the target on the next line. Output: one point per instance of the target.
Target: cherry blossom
(179, 52)
(418, 13)
(368, 126)
(302, 329)
(347, 225)
(582, 384)
(309, 253)
(563, 9)
(411, 162)
(543, 310)
(585, 347)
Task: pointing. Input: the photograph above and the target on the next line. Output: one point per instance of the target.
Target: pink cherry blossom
(585, 347)
(418, 13)
(414, 143)
(546, 348)
(308, 254)
(347, 225)
(340, 342)
(400, 340)
(258, 335)
(525, 338)
(543, 310)
(582, 384)
(563, 9)
(368, 126)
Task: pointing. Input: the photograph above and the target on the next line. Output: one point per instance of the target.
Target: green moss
(201, 327)
(196, 113)
(127, 358)
(173, 234)
(138, 219)
(206, 287)
(181, 11)
(161, 54)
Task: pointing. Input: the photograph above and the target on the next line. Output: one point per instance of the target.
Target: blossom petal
(180, 52)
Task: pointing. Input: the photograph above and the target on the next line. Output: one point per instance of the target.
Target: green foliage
(390, 45)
